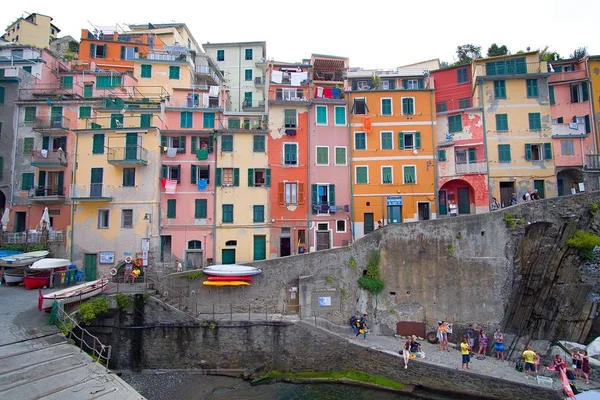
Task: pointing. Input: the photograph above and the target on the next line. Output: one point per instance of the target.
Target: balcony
(34, 237)
(256, 105)
(206, 72)
(93, 192)
(592, 162)
(511, 68)
(453, 105)
(246, 124)
(291, 96)
(195, 100)
(47, 194)
(334, 77)
(57, 124)
(53, 92)
(572, 129)
(259, 81)
(566, 76)
(261, 63)
(479, 167)
(48, 159)
(128, 156)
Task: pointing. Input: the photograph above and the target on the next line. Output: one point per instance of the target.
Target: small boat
(72, 294)
(231, 270)
(20, 260)
(226, 283)
(230, 278)
(14, 277)
(50, 263)
(36, 281)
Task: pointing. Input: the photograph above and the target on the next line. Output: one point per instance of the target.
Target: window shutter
(421, 84)
(315, 198)
(585, 93)
(547, 151)
(194, 175)
(236, 177)
(179, 175)
(122, 52)
(441, 155)
(573, 94)
(331, 195)
(552, 98)
(418, 140)
(528, 152)
(472, 155)
(268, 177)
(45, 142)
(92, 50)
(354, 85)
(250, 177)
(300, 194)
(42, 178)
(354, 106)
(194, 144)
(281, 193)
(163, 141)
(182, 144)
(401, 141)
(171, 208)
(165, 171)
(218, 177)
(588, 124)
(62, 142)
(404, 83)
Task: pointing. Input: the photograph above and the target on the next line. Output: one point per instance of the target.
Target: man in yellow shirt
(465, 350)
(529, 357)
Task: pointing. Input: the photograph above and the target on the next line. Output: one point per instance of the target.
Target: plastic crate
(545, 381)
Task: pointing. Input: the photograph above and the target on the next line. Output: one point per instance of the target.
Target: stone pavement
(37, 362)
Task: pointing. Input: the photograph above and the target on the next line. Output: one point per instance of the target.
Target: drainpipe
(214, 230)
(597, 125)
(308, 187)
(434, 153)
(349, 156)
(14, 155)
(240, 108)
(485, 143)
(73, 181)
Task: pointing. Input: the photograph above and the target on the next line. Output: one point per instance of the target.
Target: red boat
(230, 278)
(36, 281)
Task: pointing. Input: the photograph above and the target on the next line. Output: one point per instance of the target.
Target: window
(387, 176)
(291, 193)
(248, 54)
(499, 89)
(535, 122)
(175, 142)
(200, 208)
(259, 177)
(464, 103)
(27, 68)
(441, 155)
(409, 174)
(27, 180)
(412, 84)
(258, 213)
(441, 107)
(504, 153)
(145, 120)
(85, 112)
(362, 175)
(202, 143)
(501, 122)
(532, 88)
(98, 143)
(126, 218)
(321, 112)
(248, 75)
(227, 143)
(116, 120)
(128, 53)
(462, 75)
(172, 172)
(289, 117)
(227, 213)
(103, 219)
(174, 72)
(506, 67)
(386, 106)
(322, 155)
(455, 123)
(97, 50)
(2, 95)
(552, 97)
(200, 172)
(27, 145)
(538, 152)
(66, 82)
(409, 141)
(360, 141)
(340, 226)
(108, 81)
(340, 115)
(408, 106)
(146, 71)
(227, 177)
(466, 156)
(340, 155)
(258, 143)
(88, 90)
(387, 141)
(194, 245)
(290, 153)
(186, 119)
(208, 120)
(171, 208)
(220, 55)
(579, 92)
(128, 177)
(359, 107)
(566, 147)
(30, 113)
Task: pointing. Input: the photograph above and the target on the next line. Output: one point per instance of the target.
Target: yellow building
(594, 68)
(513, 91)
(34, 30)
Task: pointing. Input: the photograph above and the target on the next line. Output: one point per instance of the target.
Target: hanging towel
(277, 76)
(202, 184)
(327, 93)
(163, 182)
(213, 91)
(336, 93)
(367, 124)
(202, 154)
(297, 78)
(170, 186)
(171, 152)
(205, 100)
(44, 153)
(572, 125)
(318, 92)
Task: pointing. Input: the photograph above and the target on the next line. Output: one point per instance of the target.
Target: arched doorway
(568, 179)
(458, 192)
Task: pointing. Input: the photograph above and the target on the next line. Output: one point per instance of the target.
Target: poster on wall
(107, 257)
(324, 301)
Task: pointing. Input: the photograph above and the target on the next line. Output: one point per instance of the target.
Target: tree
(579, 53)
(466, 53)
(547, 55)
(496, 50)
(444, 64)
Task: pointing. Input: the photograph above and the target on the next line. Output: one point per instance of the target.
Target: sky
(374, 34)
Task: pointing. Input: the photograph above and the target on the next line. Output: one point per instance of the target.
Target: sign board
(145, 244)
(394, 200)
(324, 301)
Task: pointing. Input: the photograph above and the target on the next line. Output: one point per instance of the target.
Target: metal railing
(132, 154)
(253, 104)
(207, 71)
(290, 95)
(48, 157)
(46, 191)
(92, 191)
(453, 105)
(328, 76)
(33, 237)
(52, 122)
(479, 167)
(592, 162)
(246, 123)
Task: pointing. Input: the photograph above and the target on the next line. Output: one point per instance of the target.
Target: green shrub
(521, 221)
(329, 279)
(125, 302)
(344, 293)
(371, 282)
(352, 263)
(459, 236)
(509, 220)
(194, 275)
(450, 249)
(594, 209)
(93, 308)
(585, 243)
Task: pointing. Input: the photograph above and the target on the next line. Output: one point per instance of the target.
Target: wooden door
(443, 203)
(541, 188)
(464, 201)
(90, 263)
(96, 180)
(131, 146)
(369, 224)
(323, 240)
(260, 247)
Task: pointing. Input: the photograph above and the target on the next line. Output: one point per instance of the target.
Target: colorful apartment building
(288, 157)
(394, 142)
(593, 67)
(461, 157)
(35, 30)
(513, 91)
(329, 168)
(573, 131)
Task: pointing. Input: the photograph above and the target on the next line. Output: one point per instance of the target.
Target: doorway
(131, 143)
(285, 246)
(506, 191)
(323, 236)
(369, 222)
(394, 214)
(96, 181)
(194, 259)
(423, 209)
(443, 202)
(89, 266)
(540, 185)
(260, 247)
(228, 256)
(464, 201)
(20, 221)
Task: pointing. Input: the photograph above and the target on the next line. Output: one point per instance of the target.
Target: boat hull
(230, 278)
(13, 278)
(36, 281)
(20, 260)
(225, 283)
(72, 294)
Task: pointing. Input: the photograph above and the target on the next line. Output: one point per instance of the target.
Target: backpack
(519, 366)
(524, 197)
(353, 320)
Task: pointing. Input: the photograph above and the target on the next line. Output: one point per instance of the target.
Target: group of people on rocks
(580, 363)
(359, 325)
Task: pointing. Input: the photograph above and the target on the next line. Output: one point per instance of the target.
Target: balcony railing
(453, 105)
(51, 123)
(570, 129)
(47, 194)
(256, 123)
(566, 76)
(329, 76)
(206, 71)
(48, 158)
(33, 237)
(479, 167)
(253, 104)
(515, 66)
(592, 162)
(290, 95)
(92, 192)
(128, 155)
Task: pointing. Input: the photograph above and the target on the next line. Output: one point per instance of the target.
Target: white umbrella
(45, 221)
(4, 220)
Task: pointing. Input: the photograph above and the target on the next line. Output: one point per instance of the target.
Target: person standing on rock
(585, 366)
(499, 344)
(529, 358)
(483, 343)
(465, 351)
(406, 353)
(471, 336)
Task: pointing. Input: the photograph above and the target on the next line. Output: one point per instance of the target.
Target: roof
(329, 65)
(150, 25)
(421, 63)
(328, 56)
(230, 44)
(507, 56)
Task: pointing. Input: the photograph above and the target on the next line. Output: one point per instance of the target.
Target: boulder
(572, 346)
(593, 348)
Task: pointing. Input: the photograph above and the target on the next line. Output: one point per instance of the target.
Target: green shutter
(145, 120)
(2, 95)
(27, 145)
(98, 143)
(441, 155)
(122, 52)
(181, 144)
(340, 115)
(173, 72)
(404, 83)
(528, 152)
(45, 142)
(88, 90)
(236, 177)
(30, 113)
(66, 82)
(588, 124)
(200, 208)
(171, 208)
(472, 155)
(218, 177)
(418, 140)
(194, 174)
(585, 92)
(163, 141)
(164, 172)
(62, 142)
(504, 153)
(146, 71)
(250, 177)
(268, 177)
(27, 180)
(193, 144)
(401, 141)
(60, 181)
(42, 178)
(552, 98)
(85, 112)
(547, 151)
(331, 195)
(315, 198)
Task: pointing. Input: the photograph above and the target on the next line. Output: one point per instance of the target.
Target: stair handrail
(163, 288)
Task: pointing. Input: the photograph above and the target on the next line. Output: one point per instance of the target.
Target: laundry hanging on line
(170, 186)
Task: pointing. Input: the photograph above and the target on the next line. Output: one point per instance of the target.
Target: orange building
(393, 139)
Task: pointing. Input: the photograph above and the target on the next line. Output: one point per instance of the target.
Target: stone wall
(472, 269)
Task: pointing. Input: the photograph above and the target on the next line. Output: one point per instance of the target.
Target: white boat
(23, 259)
(72, 294)
(14, 277)
(231, 270)
(50, 263)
